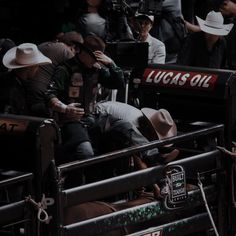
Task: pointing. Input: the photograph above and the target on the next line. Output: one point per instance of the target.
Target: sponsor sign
(12, 126)
(180, 79)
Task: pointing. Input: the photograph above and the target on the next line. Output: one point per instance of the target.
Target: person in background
(92, 18)
(58, 52)
(170, 28)
(23, 61)
(156, 51)
(5, 45)
(228, 9)
(208, 47)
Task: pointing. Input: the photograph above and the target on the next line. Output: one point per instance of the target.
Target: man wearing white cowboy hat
(23, 62)
(208, 47)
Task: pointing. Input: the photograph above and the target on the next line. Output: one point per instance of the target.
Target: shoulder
(155, 42)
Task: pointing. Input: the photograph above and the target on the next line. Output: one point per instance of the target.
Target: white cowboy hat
(161, 121)
(214, 24)
(24, 55)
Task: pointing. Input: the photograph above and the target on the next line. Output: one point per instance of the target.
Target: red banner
(181, 79)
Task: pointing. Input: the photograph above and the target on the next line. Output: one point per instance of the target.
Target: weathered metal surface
(131, 150)
(16, 179)
(136, 179)
(12, 212)
(181, 227)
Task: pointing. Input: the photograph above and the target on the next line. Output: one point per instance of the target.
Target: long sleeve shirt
(71, 84)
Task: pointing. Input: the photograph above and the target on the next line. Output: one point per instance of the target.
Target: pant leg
(84, 151)
(75, 142)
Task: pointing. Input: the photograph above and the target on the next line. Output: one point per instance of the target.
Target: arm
(111, 76)
(159, 54)
(55, 95)
(191, 27)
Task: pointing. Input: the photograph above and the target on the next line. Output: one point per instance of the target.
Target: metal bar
(181, 227)
(134, 149)
(134, 215)
(12, 212)
(124, 183)
(17, 179)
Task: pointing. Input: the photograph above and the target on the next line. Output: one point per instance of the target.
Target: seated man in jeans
(72, 95)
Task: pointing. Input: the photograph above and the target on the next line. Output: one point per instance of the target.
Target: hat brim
(143, 16)
(9, 60)
(148, 113)
(215, 31)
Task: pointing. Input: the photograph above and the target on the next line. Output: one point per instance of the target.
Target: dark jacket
(73, 83)
(195, 52)
(13, 95)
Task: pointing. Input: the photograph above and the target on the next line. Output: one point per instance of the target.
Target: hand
(74, 112)
(101, 57)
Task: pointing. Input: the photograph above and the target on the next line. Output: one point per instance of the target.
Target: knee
(84, 151)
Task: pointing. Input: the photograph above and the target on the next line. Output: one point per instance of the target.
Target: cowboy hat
(24, 55)
(161, 123)
(143, 16)
(214, 24)
(87, 57)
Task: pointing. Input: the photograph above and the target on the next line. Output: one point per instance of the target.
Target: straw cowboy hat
(214, 24)
(24, 55)
(161, 123)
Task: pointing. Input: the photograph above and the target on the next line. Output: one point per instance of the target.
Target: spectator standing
(5, 45)
(156, 51)
(169, 27)
(228, 9)
(208, 47)
(92, 18)
(23, 61)
(58, 52)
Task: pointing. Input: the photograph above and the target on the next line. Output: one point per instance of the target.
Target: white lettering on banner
(167, 77)
(202, 80)
(183, 79)
(195, 80)
(175, 79)
(206, 84)
(156, 78)
(148, 79)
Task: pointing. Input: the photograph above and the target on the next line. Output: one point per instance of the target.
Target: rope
(224, 150)
(206, 205)
(42, 214)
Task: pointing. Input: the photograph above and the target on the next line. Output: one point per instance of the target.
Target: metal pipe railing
(135, 180)
(135, 149)
(135, 215)
(16, 179)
